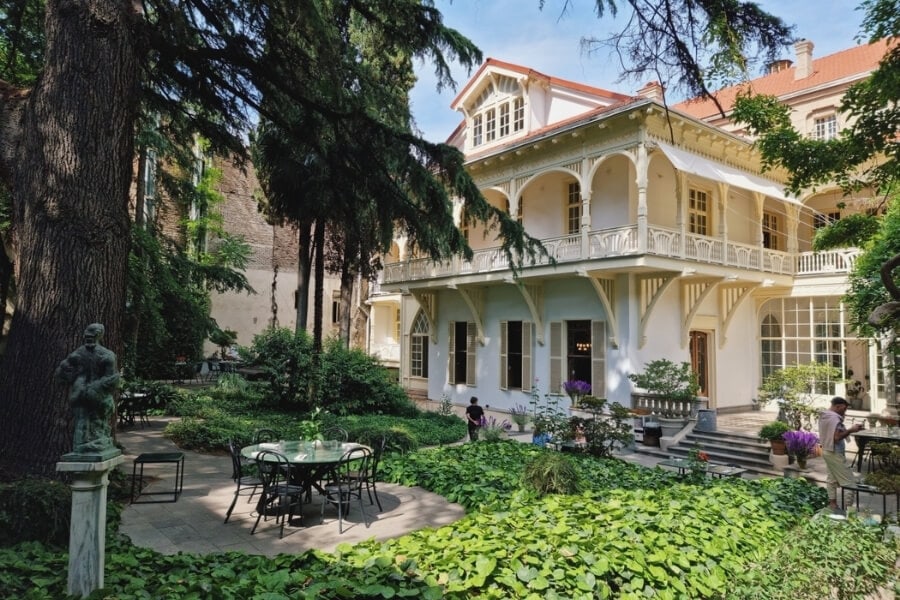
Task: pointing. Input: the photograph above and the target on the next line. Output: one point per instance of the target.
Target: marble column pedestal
(87, 532)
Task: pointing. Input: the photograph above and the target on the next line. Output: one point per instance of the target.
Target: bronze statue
(91, 372)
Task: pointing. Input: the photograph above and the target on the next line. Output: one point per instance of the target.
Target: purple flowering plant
(800, 443)
(577, 388)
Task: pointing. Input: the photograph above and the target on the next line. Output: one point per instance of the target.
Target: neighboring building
(668, 239)
(272, 269)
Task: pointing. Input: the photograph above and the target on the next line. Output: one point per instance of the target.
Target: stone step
(725, 447)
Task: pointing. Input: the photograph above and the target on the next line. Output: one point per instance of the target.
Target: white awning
(696, 165)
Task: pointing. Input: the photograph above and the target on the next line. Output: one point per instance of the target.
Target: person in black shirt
(474, 415)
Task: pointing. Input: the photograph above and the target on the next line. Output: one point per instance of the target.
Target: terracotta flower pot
(778, 447)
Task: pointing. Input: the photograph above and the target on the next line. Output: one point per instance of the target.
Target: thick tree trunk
(348, 274)
(319, 298)
(70, 171)
(304, 271)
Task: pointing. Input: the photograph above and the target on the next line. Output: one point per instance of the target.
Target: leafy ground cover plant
(551, 473)
(633, 532)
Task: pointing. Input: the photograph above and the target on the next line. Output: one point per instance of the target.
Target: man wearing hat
(833, 435)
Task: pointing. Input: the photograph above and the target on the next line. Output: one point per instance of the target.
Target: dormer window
(504, 119)
(497, 112)
(490, 125)
(476, 130)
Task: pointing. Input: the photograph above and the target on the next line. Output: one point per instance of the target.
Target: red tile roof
(857, 61)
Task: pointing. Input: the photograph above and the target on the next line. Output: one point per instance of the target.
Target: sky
(517, 31)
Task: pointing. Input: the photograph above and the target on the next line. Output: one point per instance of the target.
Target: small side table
(869, 489)
(150, 458)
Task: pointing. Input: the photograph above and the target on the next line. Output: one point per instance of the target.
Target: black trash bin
(706, 420)
(652, 433)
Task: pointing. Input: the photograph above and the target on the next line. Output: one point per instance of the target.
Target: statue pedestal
(87, 531)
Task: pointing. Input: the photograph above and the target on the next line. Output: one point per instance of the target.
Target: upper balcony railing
(624, 241)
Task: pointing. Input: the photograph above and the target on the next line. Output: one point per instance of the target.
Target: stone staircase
(723, 447)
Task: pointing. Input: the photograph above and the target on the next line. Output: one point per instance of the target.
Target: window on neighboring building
(462, 352)
(396, 328)
(490, 125)
(150, 186)
(573, 208)
(504, 119)
(518, 114)
(826, 127)
(476, 130)
(515, 355)
(822, 219)
(335, 307)
(698, 212)
(770, 231)
(418, 347)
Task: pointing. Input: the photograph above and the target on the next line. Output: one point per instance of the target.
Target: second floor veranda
(577, 251)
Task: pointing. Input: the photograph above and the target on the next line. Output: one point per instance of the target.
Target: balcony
(625, 241)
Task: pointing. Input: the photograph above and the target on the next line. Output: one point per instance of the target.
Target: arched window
(770, 345)
(418, 347)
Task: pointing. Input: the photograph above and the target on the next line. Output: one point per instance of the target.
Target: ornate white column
(643, 164)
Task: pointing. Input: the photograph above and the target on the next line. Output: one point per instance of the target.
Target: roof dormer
(504, 102)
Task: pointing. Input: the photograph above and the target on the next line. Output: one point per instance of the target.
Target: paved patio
(194, 523)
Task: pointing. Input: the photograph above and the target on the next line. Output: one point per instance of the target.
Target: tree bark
(69, 164)
(348, 274)
(304, 271)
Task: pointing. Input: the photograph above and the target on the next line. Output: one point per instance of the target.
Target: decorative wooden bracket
(474, 299)
(605, 288)
(731, 295)
(650, 290)
(534, 300)
(693, 292)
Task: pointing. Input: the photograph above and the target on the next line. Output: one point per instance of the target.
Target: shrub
(286, 360)
(353, 382)
(35, 509)
(795, 388)
(606, 430)
(552, 473)
(773, 431)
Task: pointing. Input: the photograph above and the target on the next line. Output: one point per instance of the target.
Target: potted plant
(772, 433)
(577, 389)
(672, 384)
(801, 445)
(520, 416)
(795, 388)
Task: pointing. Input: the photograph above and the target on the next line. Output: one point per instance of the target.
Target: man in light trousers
(833, 435)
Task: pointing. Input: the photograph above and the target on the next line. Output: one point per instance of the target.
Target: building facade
(664, 239)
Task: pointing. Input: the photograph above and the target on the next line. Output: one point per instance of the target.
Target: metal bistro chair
(279, 498)
(265, 435)
(335, 433)
(369, 476)
(343, 488)
(245, 482)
